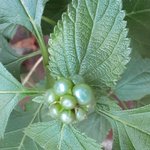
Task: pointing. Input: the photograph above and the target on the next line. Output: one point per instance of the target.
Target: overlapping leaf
(14, 138)
(137, 16)
(135, 82)
(90, 41)
(95, 126)
(20, 12)
(10, 95)
(54, 135)
(130, 128)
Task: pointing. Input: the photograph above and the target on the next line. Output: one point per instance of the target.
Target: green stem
(25, 57)
(40, 39)
(48, 20)
(41, 42)
(44, 52)
(30, 55)
(27, 91)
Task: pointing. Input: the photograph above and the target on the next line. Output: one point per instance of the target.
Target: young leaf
(54, 135)
(20, 12)
(135, 82)
(137, 16)
(14, 138)
(95, 127)
(10, 95)
(129, 128)
(90, 41)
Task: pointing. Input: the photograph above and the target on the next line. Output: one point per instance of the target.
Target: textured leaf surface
(130, 128)
(138, 14)
(14, 138)
(108, 104)
(135, 82)
(95, 127)
(9, 96)
(54, 135)
(90, 41)
(20, 12)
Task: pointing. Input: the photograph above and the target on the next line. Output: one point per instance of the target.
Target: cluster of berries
(69, 101)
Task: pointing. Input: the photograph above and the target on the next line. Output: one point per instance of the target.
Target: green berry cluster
(69, 101)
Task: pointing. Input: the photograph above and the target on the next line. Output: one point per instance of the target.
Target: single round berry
(81, 114)
(50, 96)
(62, 86)
(54, 110)
(67, 116)
(68, 101)
(83, 93)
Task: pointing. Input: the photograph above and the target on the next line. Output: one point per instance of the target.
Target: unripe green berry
(83, 94)
(62, 86)
(51, 96)
(81, 114)
(67, 116)
(54, 110)
(68, 101)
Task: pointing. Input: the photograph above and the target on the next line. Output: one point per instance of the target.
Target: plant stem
(48, 20)
(40, 39)
(44, 52)
(42, 45)
(26, 79)
(30, 55)
(39, 36)
(27, 91)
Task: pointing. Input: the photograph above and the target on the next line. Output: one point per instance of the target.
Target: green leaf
(10, 59)
(130, 128)
(137, 16)
(14, 138)
(54, 135)
(90, 41)
(10, 95)
(135, 82)
(95, 127)
(108, 104)
(20, 12)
